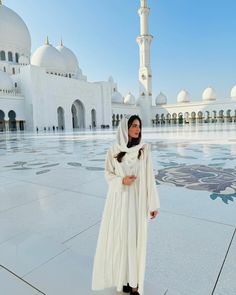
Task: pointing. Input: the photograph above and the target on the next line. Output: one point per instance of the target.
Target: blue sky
(194, 42)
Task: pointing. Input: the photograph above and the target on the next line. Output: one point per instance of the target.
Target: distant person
(132, 198)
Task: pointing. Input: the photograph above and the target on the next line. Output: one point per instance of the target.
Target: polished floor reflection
(52, 193)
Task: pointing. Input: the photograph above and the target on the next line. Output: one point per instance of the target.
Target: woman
(132, 197)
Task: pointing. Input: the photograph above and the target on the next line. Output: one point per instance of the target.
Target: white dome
(49, 58)
(70, 59)
(116, 97)
(209, 94)
(183, 96)
(233, 93)
(5, 81)
(14, 34)
(129, 99)
(161, 99)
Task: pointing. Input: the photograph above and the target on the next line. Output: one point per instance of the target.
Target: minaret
(145, 72)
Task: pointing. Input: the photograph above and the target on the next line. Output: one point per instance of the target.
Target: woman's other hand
(128, 180)
(153, 214)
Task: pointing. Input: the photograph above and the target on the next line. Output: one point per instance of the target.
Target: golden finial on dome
(62, 42)
(47, 41)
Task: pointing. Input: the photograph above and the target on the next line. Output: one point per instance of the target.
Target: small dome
(161, 99)
(110, 79)
(183, 96)
(48, 57)
(70, 58)
(5, 81)
(14, 34)
(233, 93)
(209, 94)
(23, 60)
(129, 99)
(116, 97)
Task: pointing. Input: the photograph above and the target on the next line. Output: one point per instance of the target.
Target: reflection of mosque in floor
(49, 91)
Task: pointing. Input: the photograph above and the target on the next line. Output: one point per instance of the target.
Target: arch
(93, 118)
(78, 114)
(12, 120)
(228, 116)
(13, 71)
(180, 118)
(168, 118)
(214, 117)
(17, 57)
(113, 120)
(163, 120)
(61, 118)
(200, 116)
(207, 117)
(174, 115)
(174, 118)
(2, 121)
(221, 113)
(221, 116)
(2, 55)
(234, 117)
(228, 113)
(4, 69)
(117, 119)
(186, 117)
(157, 119)
(10, 56)
(193, 117)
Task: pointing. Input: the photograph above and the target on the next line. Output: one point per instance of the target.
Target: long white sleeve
(114, 180)
(152, 193)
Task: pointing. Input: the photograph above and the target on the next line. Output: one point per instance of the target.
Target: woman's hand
(153, 214)
(128, 180)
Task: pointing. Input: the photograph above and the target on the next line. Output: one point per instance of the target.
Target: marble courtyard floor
(52, 193)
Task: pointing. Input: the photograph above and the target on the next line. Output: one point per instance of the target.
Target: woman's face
(134, 129)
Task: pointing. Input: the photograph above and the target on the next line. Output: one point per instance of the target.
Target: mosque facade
(47, 90)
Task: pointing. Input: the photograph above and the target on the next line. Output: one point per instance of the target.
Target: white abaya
(121, 247)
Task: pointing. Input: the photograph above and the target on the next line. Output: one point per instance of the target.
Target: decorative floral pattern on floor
(219, 181)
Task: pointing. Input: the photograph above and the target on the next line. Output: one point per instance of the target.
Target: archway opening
(2, 121)
(186, 117)
(78, 115)
(200, 117)
(61, 118)
(12, 120)
(193, 117)
(180, 118)
(93, 118)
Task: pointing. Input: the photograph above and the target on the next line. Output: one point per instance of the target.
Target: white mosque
(47, 89)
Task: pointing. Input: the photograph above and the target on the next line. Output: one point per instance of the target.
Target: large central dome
(14, 34)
